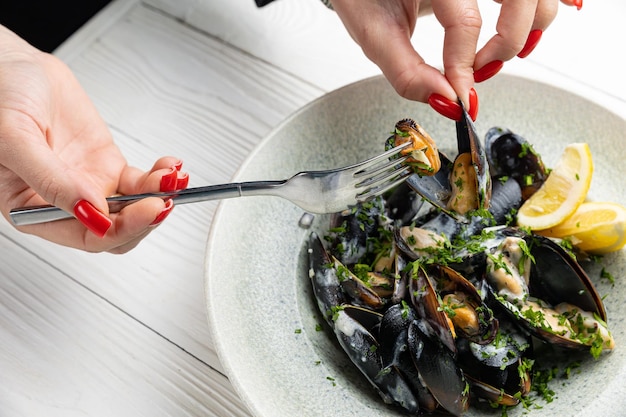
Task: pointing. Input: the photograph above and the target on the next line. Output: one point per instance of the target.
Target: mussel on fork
(454, 186)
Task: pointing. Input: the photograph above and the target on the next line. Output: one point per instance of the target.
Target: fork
(328, 191)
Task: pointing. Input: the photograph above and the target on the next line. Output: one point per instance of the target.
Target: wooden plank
(160, 283)
(68, 352)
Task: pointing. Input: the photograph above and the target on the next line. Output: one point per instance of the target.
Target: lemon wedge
(595, 227)
(563, 191)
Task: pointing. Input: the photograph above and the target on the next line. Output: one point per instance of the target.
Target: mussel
(451, 305)
(423, 153)
(546, 291)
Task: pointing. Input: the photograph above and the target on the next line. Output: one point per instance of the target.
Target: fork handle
(47, 213)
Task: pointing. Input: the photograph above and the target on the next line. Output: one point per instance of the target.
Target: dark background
(45, 24)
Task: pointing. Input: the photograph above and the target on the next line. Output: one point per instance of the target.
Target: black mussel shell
(510, 155)
(437, 368)
(324, 280)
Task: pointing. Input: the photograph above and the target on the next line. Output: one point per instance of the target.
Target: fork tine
(378, 185)
(381, 167)
(379, 173)
(383, 157)
(375, 192)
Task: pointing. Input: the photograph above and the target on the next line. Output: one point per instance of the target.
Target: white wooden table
(104, 335)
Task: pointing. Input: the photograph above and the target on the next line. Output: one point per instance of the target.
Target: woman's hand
(56, 149)
(383, 29)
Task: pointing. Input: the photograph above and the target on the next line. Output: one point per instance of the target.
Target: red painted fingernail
(178, 165)
(169, 205)
(473, 104)
(578, 4)
(531, 43)
(91, 218)
(182, 181)
(488, 71)
(445, 107)
(169, 180)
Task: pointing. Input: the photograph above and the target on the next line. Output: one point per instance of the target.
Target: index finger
(461, 22)
(513, 26)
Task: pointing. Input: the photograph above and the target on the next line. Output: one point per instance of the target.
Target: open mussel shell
(325, 282)
(429, 233)
(370, 293)
(469, 141)
(510, 155)
(451, 305)
(470, 317)
(374, 289)
(425, 300)
(496, 371)
(417, 242)
(557, 277)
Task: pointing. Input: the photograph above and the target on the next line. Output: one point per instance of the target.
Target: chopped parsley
(604, 274)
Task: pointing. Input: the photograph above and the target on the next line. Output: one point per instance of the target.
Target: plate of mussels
(404, 305)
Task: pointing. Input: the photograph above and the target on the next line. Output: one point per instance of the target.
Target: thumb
(49, 180)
